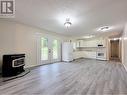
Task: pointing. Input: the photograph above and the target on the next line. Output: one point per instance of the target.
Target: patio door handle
(49, 50)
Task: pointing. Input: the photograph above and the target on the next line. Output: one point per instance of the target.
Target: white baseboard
(125, 67)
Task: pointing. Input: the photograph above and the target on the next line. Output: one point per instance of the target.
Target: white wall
(124, 46)
(20, 38)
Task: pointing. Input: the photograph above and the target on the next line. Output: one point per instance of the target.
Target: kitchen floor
(81, 77)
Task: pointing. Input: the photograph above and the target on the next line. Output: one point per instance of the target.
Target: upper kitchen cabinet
(80, 43)
(77, 43)
(88, 43)
(100, 42)
(91, 43)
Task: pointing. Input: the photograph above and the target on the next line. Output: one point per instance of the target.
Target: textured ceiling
(86, 15)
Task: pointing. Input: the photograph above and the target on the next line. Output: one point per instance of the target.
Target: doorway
(50, 50)
(115, 50)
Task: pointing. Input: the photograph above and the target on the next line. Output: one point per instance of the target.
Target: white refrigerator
(67, 51)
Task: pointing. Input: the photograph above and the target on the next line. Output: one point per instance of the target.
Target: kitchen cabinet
(101, 41)
(78, 54)
(90, 54)
(85, 44)
(85, 54)
(80, 43)
(77, 43)
(89, 48)
(91, 43)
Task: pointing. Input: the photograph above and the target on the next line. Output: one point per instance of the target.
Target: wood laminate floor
(81, 77)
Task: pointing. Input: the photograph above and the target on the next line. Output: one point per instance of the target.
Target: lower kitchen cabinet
(84, 54)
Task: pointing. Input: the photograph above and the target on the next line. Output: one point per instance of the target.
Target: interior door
(115, 49)
(50, 50)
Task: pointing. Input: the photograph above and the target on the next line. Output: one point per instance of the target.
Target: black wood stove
(13, 64)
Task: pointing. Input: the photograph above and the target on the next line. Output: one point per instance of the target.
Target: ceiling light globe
(67, 24)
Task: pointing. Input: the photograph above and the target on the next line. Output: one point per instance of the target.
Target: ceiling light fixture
(88, 36)
(116, 39)
(104, 28)
(67, 23)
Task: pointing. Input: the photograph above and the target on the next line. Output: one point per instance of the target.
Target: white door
(50, 50)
